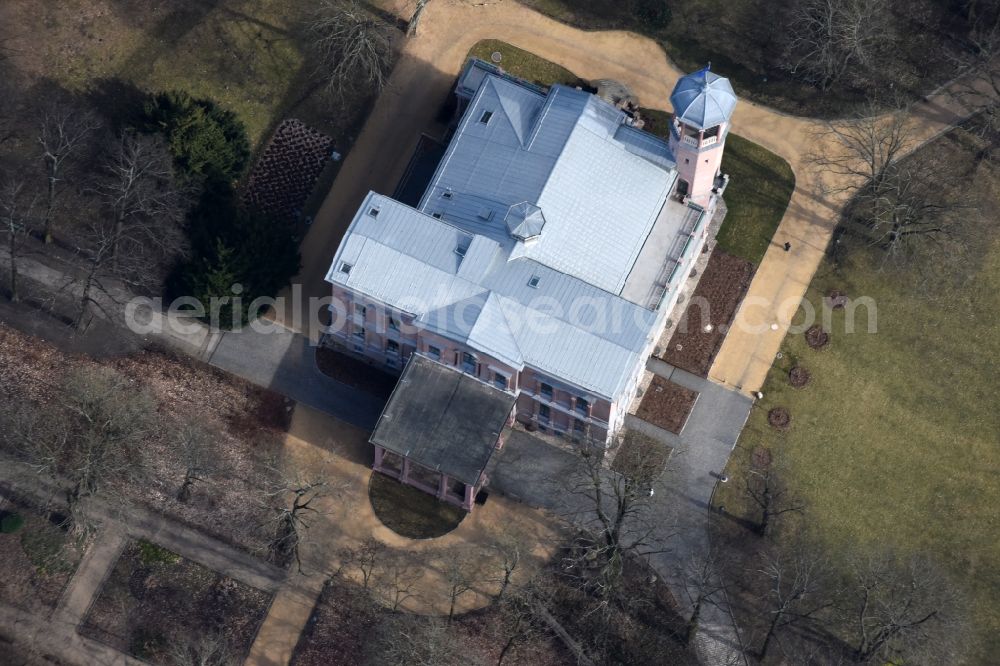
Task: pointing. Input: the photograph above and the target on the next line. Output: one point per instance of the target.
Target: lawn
(894, 441)
(524, 64)
(247, 55)
(409, 512)
(761, 182)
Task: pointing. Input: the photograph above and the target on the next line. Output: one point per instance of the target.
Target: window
(359, 348)
(543, 412)
(461, 249)
(533, 282)
(582, 406)
(345, 268)
(373, 211)
(579, 426)
(361, 310)
(392, 347)
(393, 324)
(434, 352)
(485, 118)
(359, 332)
(468, 363)
(545, 390)
(499, 380)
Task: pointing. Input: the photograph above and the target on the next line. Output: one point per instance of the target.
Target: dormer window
(461, 249)
(485, 118)
(373, 211)
(447, 194)
(533, 281)
(345, 268)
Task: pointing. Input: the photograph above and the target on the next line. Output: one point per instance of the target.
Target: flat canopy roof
(443, 419)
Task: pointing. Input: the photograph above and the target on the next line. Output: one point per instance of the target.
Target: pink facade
(699, 158)
(367, 328)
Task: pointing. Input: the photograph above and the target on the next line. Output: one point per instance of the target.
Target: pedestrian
(788, 246)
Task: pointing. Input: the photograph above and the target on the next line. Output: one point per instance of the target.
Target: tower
(703, 103)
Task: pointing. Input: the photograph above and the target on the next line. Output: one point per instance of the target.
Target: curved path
(425, 73)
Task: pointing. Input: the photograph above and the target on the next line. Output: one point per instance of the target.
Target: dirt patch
(38, 559)
(837, 299)
(779, 418)
(704, 324)
(247, 423)
(816, 337)
(155, 599)
(354, 372)
(667, 405)
(799, 377)
(761, 457)
(346, 620)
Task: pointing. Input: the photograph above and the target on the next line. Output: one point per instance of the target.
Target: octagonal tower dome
(703, 99)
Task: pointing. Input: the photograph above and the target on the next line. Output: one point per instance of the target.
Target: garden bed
(667, 405)
(38, 559)
(155, 600)
(355, 372)
(719, 294)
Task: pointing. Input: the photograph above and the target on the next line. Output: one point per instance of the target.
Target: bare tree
(462, 571)
(418, 12)
(195, 445)
(142, 234)
(16, 213)
(413, 639)
(797, 589)
(610, 506)
(517, 623)
(904, 611)
(702, 580)
(353, 44)
(978, 84)
(509, 549)
(139, 187)
(62, 133)
(290, 502)
(203, 649)
(827, 37)
(769, 493)
(897, 203)
(90, 440)
(397, 580)
(366, 557)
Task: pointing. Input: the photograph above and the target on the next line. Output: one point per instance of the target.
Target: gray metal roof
(703, 99)
(555, 201)
(443, 419)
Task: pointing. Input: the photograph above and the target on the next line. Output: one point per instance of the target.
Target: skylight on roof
(373, 211)
(447, 194)
(533, 282)
(485, 118)
(345, 268)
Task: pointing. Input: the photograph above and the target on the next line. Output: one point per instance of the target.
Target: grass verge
(894, 441)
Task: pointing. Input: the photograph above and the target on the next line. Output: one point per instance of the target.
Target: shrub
(205, 140)
(231, 245)
(654, 13)
(150, 553)
(11, 523)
